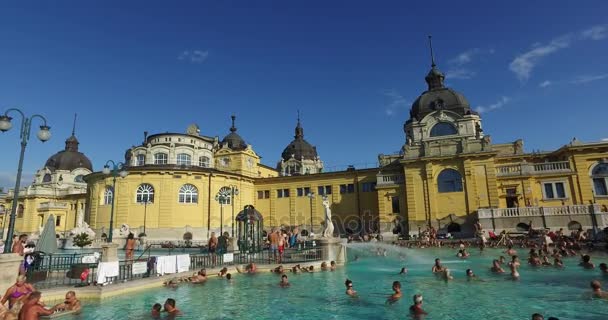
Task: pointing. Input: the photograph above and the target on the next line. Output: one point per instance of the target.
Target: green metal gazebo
(250, 224)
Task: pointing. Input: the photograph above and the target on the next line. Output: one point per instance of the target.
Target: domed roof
(233, 140)
(299, 148)
(438, 97)
(70, 158)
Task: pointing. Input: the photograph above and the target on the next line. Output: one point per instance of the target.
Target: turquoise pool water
(560, 293)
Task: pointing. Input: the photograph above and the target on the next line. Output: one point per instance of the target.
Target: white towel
(183, 262)
(170, 263)
(160, 265)
(106, 270)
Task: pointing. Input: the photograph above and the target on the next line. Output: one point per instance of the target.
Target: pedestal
(109, 252)
(334, 249)
(9, 264)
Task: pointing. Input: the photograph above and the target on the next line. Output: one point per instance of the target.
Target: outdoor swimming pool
(560, 293)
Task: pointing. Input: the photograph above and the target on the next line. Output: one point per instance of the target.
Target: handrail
(145, 250)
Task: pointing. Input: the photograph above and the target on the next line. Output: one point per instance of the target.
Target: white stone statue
(329, 225)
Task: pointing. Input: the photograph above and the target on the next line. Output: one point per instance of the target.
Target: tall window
(145, 193)
(160, 158)
(203, 162)
(554, 190)
(395, 204)
(283, 193)
(79, 178)
(443, 129)
(188, 194)
(347, 188)
(184, 159)
(303, 192)
(141, 159)
(324, 190)
(449, 180)
(20, 210)
(108, 195)
(292, 169)
(369, 186)
(599, 174)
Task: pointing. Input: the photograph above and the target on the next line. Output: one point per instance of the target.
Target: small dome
(439, 99)
(299, 148)
(70, 158)
(233, 140)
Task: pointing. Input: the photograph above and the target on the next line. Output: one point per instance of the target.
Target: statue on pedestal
(328, 232)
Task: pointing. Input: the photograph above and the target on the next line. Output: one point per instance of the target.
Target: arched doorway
(453, 227)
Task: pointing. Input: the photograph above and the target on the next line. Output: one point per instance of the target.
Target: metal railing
(49, 270)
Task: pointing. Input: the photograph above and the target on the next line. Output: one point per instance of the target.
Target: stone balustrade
(52, 205)
(389, 179)
(538, 211)
(533, 168)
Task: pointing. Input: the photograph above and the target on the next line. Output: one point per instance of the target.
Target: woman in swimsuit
(17, 292)
(514, 264)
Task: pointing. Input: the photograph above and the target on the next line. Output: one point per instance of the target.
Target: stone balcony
(537, 211)
(389, 179)
(45, 206)
(523, 169)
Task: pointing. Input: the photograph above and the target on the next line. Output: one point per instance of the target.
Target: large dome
(70, 158)
(233, 140)
(299, 148)
(438, 97)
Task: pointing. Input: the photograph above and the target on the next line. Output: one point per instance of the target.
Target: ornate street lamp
(234, 191)
(43, 135)
(222, 196)
(117, 169)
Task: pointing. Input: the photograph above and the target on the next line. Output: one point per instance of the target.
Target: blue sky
(536, 69)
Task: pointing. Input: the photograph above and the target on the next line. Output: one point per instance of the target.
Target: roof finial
(432, 56)
(74, 125)
(233, 128)
(299, 129)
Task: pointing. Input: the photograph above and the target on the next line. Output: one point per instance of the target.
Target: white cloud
(194, 56)
(589, 78)
(523, 64)
(395, 101)
(464, 57)
(459, 73)
(497, 105)
(596, 32)
(545, 84)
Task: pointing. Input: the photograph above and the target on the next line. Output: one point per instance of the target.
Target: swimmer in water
(604, 269)
(496, 268)
(284, 282)
(596, 286)
(510, 251)
(438, 268)
(447, 275)
(416, 309)
(349, 288)
(397, 292)
(403, 271)
(586, 262)
(514, 264)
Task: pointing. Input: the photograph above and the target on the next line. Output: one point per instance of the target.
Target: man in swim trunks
(70, 303)
(438, 268)
(18, 246)
(212, 247)
(274, 244)
(281, 247)
(32, 309)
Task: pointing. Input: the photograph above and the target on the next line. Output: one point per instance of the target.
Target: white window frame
(593, 177)
(188, 194)
(180, 159)
(108, 196)
(144, 190)
(140, 159)
(553, 182)
(164, 160)
(203, 161)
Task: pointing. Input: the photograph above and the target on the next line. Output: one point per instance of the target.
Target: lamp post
(234, 191)
(43, 135)
(117, 169)
(310, 196)
(221, 197)
(145, 214)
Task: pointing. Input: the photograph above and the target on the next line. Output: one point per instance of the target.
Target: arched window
(574, 225)
(599, 175)
(79, 178)
(293, 169)
(141, 159)
(449, 180)
(145, 193)
(188, 194)
(203, 162)
(443, 129)
(46, 178)
(108, 195)
(160, 158)
(224, 195)
(184, 159)
(20, 210)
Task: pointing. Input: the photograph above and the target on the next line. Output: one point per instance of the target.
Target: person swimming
(496, 268)
(586, 262)
(156, 308)
(403, 271)
(604, 269)
(437, 268)
(514, 264)
(597, 292)
(557, 262)
(416, 309)
(397, 292)
(447, 275)
(284, 282)
(349, 288)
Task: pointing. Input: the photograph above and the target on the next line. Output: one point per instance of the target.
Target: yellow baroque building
(448, 175)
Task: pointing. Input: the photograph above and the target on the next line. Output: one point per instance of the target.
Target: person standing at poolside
(170, 309)
(274, 244)
(212, 247)
(397, 292)
(130, 247)
(18, 246)
(416, 309)
(281, 247)
(33, 309)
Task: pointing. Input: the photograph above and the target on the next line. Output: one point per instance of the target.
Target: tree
(82, 240)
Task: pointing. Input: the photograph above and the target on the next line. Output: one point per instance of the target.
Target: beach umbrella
(47, 242)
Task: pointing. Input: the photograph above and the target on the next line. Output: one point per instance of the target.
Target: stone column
(9, 264)
(109, 252)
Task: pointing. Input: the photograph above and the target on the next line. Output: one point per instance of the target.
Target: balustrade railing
(487, 213)
(533, 168)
